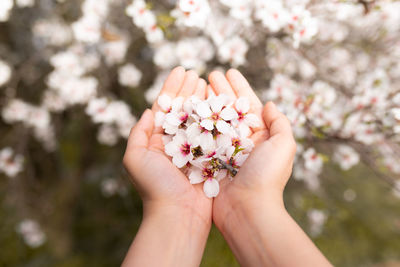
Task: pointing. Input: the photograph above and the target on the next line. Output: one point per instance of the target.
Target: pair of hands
(166, 191)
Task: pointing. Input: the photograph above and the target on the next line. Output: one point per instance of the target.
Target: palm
(174, 185)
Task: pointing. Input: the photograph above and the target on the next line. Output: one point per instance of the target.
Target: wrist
(242, 204)
(182, 218)
(245, 223)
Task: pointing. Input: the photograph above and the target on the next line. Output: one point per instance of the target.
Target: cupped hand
(160, 183)
(264, 174)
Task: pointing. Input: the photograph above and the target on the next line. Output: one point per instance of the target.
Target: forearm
(168, 237)
(266, 235)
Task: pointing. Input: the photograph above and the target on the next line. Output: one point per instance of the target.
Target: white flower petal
(252, 120)
(177, 104)
(223, 127)
(171, 149)
(229, 151)
(216, 103)
(180, 160)
(240, 158)
(159, 118)
(247, 144)
(188, 106)
(221, 175)
(224, 141)
(180, 137)
(196, 176)
(242, 104)
(173, 119)
(228, 114)
(208, 124)
(166, 139)
(211, 187)
(203, 110)
(244, 130)
(164, 101)
(193, 132)
(207, 142)
(170, 129)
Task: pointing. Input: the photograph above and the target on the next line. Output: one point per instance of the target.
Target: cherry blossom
(179, 149)
(245, 120)
(346, 157)
(233, 50)
(129, 75)
(146, 20)
(31, 233)
(215, 113)
(10, 164)
(191, 13)
(313, 161)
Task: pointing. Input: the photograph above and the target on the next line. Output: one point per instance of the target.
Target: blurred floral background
(75, 75)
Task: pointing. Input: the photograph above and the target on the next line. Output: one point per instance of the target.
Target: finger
(209, 91)
(276, 122)
(189, 84)
(220, 84)
(260, 136)
(241, 87)
(172, 85)
(142, 131)
(201, 89)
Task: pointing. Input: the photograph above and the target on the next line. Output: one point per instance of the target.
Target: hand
(249, 210)
(266, 171)
(170, 202)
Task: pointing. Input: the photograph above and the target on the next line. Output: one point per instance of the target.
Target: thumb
(276, 122)
(141, 133)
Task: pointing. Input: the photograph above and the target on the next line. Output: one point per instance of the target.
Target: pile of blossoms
(207, 139)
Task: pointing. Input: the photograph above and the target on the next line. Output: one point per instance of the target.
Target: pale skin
(249, 211)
